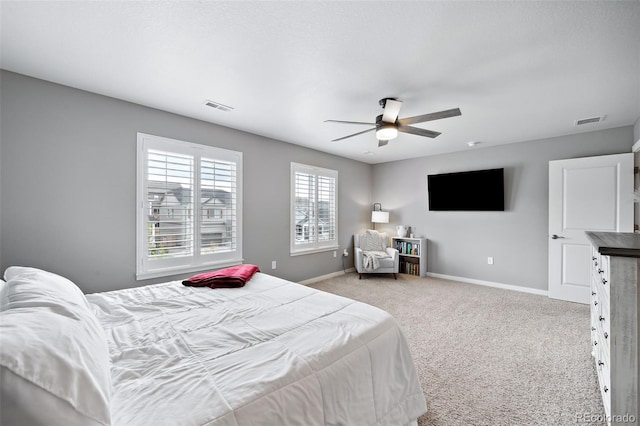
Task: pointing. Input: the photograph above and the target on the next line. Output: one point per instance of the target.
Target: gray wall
(460, 242)
(67, 192)
(68, 185)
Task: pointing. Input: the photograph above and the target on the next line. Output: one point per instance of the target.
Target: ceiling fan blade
(429, 117)
(382, 143)
(419, 132)
(391, 110)
(355, 134)
(349, 122)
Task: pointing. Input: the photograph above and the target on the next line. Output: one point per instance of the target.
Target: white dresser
(615, 269)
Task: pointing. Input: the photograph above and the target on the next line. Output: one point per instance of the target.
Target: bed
(270, 353)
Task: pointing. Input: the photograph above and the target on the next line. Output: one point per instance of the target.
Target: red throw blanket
(235, 276)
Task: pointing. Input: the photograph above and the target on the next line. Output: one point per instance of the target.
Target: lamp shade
(378, 216)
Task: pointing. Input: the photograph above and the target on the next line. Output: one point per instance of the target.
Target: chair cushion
(387, 262)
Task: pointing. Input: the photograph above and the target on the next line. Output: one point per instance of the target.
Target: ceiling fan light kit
(388, 125)
(386, 132)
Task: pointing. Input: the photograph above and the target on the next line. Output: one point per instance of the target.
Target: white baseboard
(490, 284)
(444, 277)
(325, 277)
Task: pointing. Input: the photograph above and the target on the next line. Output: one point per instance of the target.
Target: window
(189, 214)
(314, 209)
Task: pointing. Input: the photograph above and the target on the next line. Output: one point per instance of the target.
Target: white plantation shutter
(189, 207)
(314, 209)
(327, 208)
(169, 206)
(219, 204)
(305, 215)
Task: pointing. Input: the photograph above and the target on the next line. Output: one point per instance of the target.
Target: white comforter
(271, 353)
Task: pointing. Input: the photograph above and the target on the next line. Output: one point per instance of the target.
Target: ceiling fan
(388, 125)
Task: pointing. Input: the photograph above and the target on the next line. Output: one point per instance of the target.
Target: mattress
(270, 353)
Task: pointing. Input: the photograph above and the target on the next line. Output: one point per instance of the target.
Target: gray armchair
(388, 265)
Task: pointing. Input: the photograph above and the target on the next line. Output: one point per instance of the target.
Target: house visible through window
(180, 184)
(314, 209)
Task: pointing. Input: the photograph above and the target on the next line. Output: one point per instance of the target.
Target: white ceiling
(517, 70)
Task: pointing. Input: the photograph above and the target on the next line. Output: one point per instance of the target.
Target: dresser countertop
(625, 244)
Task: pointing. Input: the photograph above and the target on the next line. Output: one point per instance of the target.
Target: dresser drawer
(604, 382)
(604, 271)
(600, 274)
(604, 315)
(596, 259)
(594, 335)
(600, 312)
(602, 291)
(600, 346)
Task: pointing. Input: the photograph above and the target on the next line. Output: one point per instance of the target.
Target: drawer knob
(594, 258)
(601, 318)
(593, 293)
(606, 336)
(595, 303)
(595, 263)
(604, 281)
(595, 343)
(606, 389)
(593, 329)
(600, 271)
(600, 363)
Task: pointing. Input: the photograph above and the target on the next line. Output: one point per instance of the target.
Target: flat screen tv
(478, 190)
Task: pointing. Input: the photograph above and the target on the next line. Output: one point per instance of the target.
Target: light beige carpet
(488, 356)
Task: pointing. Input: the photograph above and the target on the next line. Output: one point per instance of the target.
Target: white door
(585, 194)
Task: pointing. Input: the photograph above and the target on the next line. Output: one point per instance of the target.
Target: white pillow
(35, 287)
(373, 241)
(50, 340)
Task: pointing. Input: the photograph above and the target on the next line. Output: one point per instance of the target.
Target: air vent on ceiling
(218, 105)
(590, 120)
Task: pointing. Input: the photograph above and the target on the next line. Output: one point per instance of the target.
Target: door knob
(555, 237)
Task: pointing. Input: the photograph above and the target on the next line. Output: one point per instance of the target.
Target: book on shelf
(406, 247)
(410, 268)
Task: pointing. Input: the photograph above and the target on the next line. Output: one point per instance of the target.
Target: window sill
(314, 250)
(167, 272)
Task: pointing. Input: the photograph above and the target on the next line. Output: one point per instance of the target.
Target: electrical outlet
(273, 264)
(345, 253)
(335, 253)
(489, 260)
